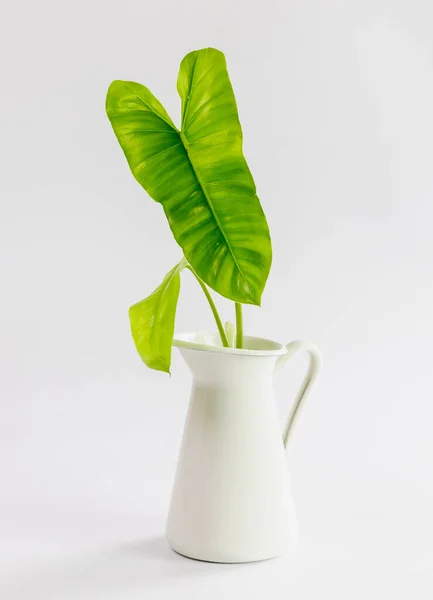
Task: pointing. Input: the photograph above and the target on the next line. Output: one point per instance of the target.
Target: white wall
(336, 102)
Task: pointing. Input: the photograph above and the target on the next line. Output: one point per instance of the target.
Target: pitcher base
(224, 558)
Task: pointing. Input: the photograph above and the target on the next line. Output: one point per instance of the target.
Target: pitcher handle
(315, 362)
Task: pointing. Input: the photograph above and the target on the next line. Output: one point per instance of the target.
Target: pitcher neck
(219, 369)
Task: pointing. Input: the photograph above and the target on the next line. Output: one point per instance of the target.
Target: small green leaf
(152, 322)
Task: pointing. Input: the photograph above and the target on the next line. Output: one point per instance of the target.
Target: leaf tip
(254, 296)
(157, 365)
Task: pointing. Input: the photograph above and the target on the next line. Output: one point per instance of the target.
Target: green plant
(200, 177)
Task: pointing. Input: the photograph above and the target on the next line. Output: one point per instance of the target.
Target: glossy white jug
(231, 500)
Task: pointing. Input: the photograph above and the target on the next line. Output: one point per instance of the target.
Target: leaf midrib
(175, 271)
(212, 209)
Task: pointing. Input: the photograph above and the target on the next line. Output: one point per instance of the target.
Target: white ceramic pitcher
(231, 500)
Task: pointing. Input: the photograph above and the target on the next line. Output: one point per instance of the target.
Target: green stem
(239, 326)
(217, 318)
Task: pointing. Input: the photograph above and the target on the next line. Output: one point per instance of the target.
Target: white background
(336, 102)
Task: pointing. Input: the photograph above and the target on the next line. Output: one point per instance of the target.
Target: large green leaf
(199, 174)
(152, 322)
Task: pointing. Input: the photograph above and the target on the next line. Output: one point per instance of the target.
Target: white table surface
(85, 489)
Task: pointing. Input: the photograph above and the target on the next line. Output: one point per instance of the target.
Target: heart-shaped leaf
(152, 322)
(199, 174)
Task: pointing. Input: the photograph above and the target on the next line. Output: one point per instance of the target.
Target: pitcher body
(231, 500)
